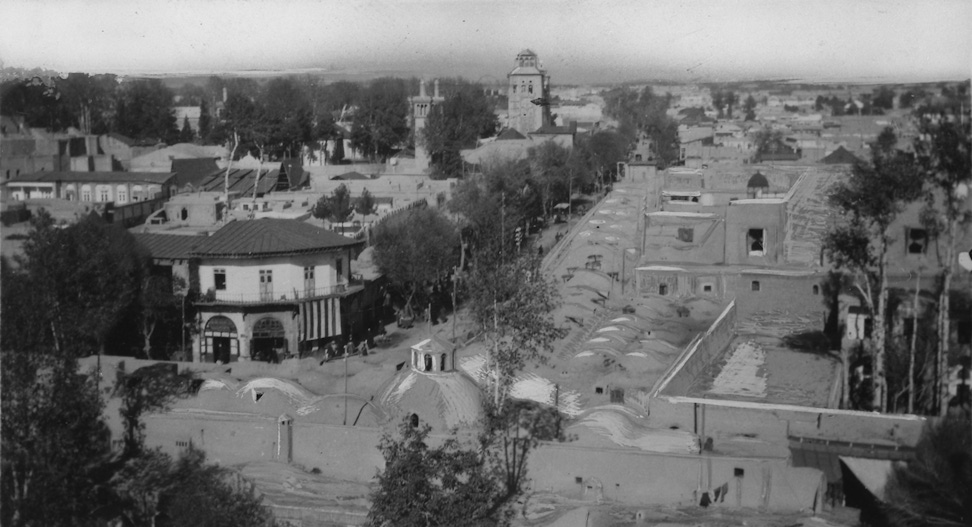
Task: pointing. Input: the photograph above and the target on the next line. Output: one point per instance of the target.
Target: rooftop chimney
(436, 88)
(422, 88)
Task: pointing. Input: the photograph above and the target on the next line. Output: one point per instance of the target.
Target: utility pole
(345, 386)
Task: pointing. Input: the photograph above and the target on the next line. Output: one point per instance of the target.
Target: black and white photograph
(477, 263)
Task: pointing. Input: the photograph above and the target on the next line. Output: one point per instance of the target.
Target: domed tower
(527, 83)
(422, 105)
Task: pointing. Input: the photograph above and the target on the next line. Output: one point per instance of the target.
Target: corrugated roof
(168, 246)
(241, 180)
(193, 171)
(95, 177)
(270, 237)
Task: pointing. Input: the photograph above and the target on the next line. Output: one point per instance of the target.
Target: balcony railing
(281, 296)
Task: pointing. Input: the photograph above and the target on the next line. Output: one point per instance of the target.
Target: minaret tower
(527, 83)
(421, 107)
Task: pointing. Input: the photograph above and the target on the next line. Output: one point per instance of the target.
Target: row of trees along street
(79, 290)
(938, 175)
(644, 113)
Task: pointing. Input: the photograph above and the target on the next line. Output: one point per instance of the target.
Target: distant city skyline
(579, 42)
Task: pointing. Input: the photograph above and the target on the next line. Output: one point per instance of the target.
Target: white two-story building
(270, 287)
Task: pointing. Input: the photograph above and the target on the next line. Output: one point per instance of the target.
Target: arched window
(442, 362)
(816, 289)
(428, 362)
(184, 214)
(121, 194)
(414, 420)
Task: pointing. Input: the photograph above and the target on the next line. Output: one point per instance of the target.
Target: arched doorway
(220, 339)
(269, 340)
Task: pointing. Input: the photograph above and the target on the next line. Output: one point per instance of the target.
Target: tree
(718, 102)
(53, 439)
(550, 169)
(869, 201)
(205, 122)
(932, 488)
(286, 118)
(84, 277)
(511, 301)
(186, 135)
(380, 120)
(883, 97)
(462, 481)
(160, 306)
(336, 208)
(943, 155)
(144, 111)
(750, 104)
(36, 100)
(465, 116)
(731, 100)
(147, 389)
(414, 249)
(337, 155)
(767, 139)
(365, 205)
(645, 113)
(89, 100)
(434, 486)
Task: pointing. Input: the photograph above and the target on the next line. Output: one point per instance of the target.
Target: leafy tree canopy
(415, 248)
(143, 111)
(336, 208)
(464, 116)
(380, 119)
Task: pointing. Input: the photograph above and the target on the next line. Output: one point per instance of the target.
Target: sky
(578, 41)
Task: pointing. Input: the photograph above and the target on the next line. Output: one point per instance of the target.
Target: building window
(309, 282)
(219, 279)
(686, 234)
(339, 266)
(122, 195)
(663, 289)
(103, 195)
(85, 193)
(754, 240)
(617, 396)
(917, 241)
(816, 289)
(707, 288)
(184, 214)
(266, 285)
(755, 285)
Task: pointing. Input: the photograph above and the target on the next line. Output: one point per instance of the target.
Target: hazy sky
(578, 41)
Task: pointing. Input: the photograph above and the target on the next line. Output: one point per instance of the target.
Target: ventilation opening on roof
(257, 396)
(598, 390)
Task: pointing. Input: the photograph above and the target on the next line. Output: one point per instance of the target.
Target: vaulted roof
(270, 237)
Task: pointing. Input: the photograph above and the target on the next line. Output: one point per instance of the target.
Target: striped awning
(319, 319)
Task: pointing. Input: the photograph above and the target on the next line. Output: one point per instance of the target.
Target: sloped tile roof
(168, 246)
(840, 156)
(509, 134)
(270, 237)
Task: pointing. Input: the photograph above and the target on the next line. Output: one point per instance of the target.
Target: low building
(97, 187)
